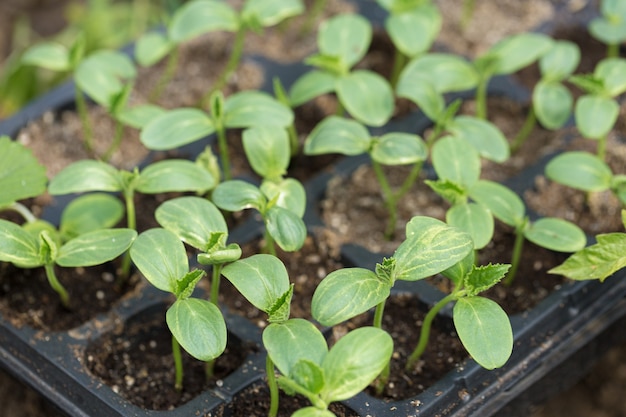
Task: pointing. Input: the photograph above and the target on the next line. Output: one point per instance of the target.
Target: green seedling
(482, 325)
(430, 247)
(610, 26)
(159, 177)
(264, 282)
(552, 102)
(349, 137)
(283, 97)
(21, 176)
(309, 368)
(457, 165)
(413, 27)
(596, 111)
(586, 172)
(342, 41)
(101, 75)
(197, 325)
(509, 55)
(198, 223)
(281, 208)
(199, 17)
(598, 261)
(37, 246)
(179, 127)
(548, 232)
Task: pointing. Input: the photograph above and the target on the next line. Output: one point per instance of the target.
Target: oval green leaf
(235, 195)
(346, 36)
(267, 149)
(90, 212)
(174, 175)
(556, 234)
(21, 175)
(95, 248)
(86, 175)
(202, 16)
(505, 205)
(399, 149)
(338, 135)
(595, 115)
(580, 170)
(310, 85)
(151, 48)
(474, 219)
(49, 55)
(456, 160)
(255, 108)
(176, 128)
(367, 97)
(414, 32)
(552, 103)
(286, 228)
(486, 137)
(18, 246)
(445, 72)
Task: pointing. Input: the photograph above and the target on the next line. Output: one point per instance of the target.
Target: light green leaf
(484, 136)
(346, 36)
(580, 170)
(445, 72)
(354, 361)
(86, 175)
(366, 96)
(346, 293)
(338, 135)
(270, 12)
(598, 261)
(175, 128)
(505, 205)
(414, 32)
(90, 212)
(267, 150)
(312, 412)
(18, 246)
(202, 16)
(288, 193)
(96, 247)
(193, 219)
(612, 73)
(474, 219)
(286, 228)
(456, 160)
(101, 75)
(485, 331)
(310, 85)
(607, 31)
(21, 175)
(235, 195)
(160, 256)
(552, 103)
(49, 55)
(198, 326)
(556, 234)
(560, 61)
(255, 108)
(292, 341)
(518, 51)
(174, 175)
(399, 149)
(139, 116)
(151, 48)
(595, 115)
(261, 279)
(422, 92)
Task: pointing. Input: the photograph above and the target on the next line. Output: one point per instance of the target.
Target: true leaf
(481, 278)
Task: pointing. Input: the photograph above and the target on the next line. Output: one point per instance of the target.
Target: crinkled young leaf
(560, 61)
(100, 75)
(346, 293)
(199, 327)
(430, 247)
(21, 175)
(96, 247)
(288, 193)
(255, 108)
(202, 16)
(474, 219)
(90, 212)
(485, 330)
(552, 103)
(292, 341)
(399, 149)
(186, 284)
(456, 160)
(218, 256)
(505, 205)
(595, 115)
(556, 234)
(338, 135)
(18, 245)
(580, 170)
(445, 72)
(481, 278)
(488, 140)
(174, 175)
(151, 48)
(175, 128)
(354, 361)
(267, 149)
(346, 36)
(235, 195)
(86, 175)
(193, 219)
(49, 55)
(598, 261)
(280, 310)
(450, 191)
(612, 72)
(517, 51)
(414, 32)
(261, 279)
(366, 96)
(286, 228)
(270, 12)
(310, 85)
(160, 256)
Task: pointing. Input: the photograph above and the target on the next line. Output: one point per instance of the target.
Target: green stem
(231, 65)
(178, 364)
(22, 210)
(272, 385)
(468, 12)
(215, 284)
(269, 246)
(340, 109)
(166, 77)
(383, 378)
(131, 221)
(117, 140)
(209, 369)
(399, 62)
(222, 144)
(293, 140)
(408, 181)
(516, 256)
(529, 124)
(297, 388)
(311, 16)
(388, 198)
(56, 285)
(481, 98)
(436, 132)
(602, 148)
(612, 50)
(81, 107)
(425, 330)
